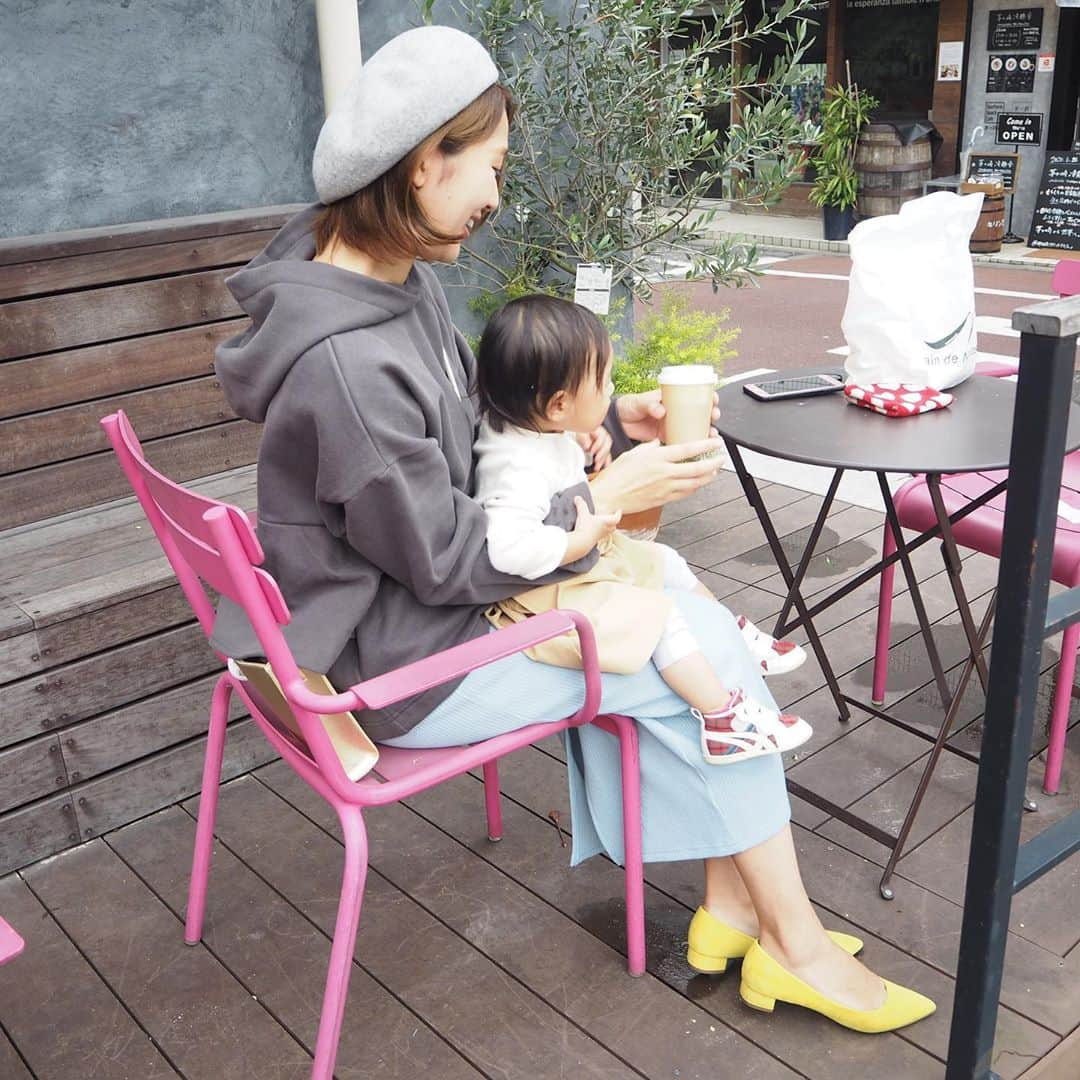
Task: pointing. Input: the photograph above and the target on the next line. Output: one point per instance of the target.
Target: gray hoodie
(365, 469)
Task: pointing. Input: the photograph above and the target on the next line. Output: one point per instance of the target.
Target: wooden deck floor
(477, 959)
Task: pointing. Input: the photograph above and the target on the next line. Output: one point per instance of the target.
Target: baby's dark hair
(531, 349)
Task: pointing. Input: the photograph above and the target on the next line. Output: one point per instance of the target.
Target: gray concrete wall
(117, 111)
(975, 107)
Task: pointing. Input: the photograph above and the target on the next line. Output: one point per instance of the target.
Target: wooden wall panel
(128, 264)
(163, 779)
(59, 697)
(73, 432)
(37, 830)
(141, 729)
(28, 327)
(47, 382)
(31, 772)
(72, 485)
(105, 679)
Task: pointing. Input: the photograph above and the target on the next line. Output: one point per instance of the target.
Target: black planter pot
(838, 223)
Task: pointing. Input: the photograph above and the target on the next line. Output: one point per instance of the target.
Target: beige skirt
(622, 596)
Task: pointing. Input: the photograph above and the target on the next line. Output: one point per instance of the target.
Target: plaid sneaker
(775, 657)
(744, 729)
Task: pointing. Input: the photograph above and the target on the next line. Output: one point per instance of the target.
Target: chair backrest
(211, 542)
(1066, 279)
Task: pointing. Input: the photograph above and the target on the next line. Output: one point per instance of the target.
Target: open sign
(1023, 129)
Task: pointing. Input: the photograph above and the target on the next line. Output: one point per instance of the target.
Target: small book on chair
(355, 750)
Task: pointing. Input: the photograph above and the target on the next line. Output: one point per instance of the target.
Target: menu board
(1056, 220)
(1018, 28)
(981, 166)
(1010, 73)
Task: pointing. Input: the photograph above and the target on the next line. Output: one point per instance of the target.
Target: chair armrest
(453, 663)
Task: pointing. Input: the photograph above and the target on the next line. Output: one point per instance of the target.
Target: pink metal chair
(10, 942)
(210, 542)
(981, 531)
(1066, 279)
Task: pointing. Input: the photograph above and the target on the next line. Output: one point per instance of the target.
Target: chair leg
(341, 952)
(1059, 719)
(491, 800)
(634, 868)
(204, 832)
(884, 621)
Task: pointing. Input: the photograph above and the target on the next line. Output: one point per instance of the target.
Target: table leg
(753, 496)
(953, 568)
(903, 552)
(939, 744)
(808, 553)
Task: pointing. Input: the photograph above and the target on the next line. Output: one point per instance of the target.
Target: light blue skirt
(690, 809)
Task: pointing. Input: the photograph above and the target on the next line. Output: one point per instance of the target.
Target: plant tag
(592, 287)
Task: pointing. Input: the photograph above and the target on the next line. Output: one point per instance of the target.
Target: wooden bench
(104, 677)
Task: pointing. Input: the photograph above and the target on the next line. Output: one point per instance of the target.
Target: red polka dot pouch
(896, 398)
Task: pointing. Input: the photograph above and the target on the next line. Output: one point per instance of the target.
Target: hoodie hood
(294, 303)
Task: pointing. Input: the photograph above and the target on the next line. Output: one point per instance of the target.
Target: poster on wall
(1011, 73)
(1019, 28)
(1056, 220)
(950, 61)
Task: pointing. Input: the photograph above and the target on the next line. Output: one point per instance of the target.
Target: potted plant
(675, 334)
(836, 187)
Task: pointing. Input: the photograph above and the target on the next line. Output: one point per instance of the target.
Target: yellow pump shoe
(765, 982)
(712, 943)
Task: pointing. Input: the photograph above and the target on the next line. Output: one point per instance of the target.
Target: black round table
(973, 434)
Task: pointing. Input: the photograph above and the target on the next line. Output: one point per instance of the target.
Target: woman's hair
(384, 219)
(531, 349)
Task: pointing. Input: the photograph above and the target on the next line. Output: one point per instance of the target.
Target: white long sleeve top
(517, 473)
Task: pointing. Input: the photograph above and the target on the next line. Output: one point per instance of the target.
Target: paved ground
(480, 960)
(792, 317)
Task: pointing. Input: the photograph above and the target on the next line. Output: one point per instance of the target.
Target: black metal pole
(1043, 395)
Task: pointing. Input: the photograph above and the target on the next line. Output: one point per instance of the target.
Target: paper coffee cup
(687, 394)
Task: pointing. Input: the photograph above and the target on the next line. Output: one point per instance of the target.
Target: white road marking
(804, 274)
(978, 289)
(994, 324)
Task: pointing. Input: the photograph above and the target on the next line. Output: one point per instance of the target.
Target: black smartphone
(794, 386)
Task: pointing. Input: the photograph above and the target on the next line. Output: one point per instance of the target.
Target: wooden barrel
(889, 173)
(990, 227)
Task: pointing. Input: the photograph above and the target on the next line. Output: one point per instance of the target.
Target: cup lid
(688, 375)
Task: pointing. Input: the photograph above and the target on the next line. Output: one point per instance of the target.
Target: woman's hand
(651, 475)
(598, 445)
(640, 414)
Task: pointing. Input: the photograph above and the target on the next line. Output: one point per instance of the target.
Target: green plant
(611, 151)
(676, 334)
(846, 111)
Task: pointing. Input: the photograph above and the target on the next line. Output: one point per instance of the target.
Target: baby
(544, 371)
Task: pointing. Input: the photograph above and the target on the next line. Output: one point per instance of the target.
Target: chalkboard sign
(1010, 73)
(1019, 128)
(1019, 28)
(1007, 166)
(1056, 221)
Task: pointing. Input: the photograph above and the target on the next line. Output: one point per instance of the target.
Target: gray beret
(409, 88)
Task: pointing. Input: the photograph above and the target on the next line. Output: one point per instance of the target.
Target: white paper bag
(910, 314)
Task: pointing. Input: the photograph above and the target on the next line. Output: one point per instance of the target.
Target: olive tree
(612, 151)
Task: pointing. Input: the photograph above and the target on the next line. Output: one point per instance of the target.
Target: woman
(365, 474)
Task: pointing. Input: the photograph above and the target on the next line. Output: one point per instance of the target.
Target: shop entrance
(890, 45)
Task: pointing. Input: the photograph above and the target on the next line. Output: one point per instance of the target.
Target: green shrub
(676, 334)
